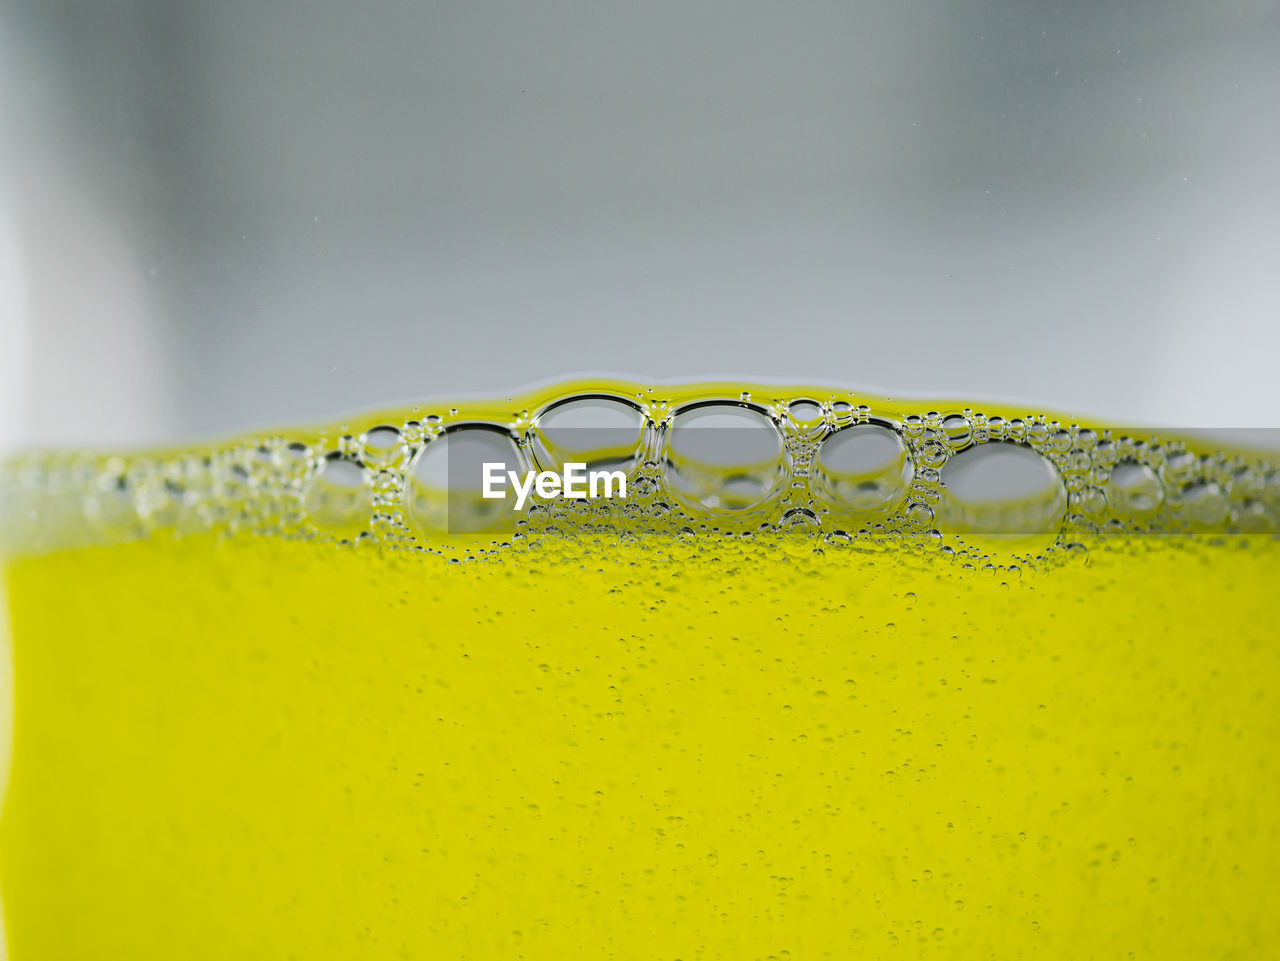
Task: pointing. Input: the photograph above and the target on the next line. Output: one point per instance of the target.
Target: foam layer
(704, 457)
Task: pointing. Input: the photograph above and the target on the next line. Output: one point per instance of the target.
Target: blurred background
(217, 215)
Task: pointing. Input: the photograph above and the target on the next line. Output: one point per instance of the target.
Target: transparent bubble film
(804, 466)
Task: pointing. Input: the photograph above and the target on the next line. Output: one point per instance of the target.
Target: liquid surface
(687, 730)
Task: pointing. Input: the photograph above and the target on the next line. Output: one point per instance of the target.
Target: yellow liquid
(667, 747)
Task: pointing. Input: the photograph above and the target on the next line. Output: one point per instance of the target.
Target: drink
(283, 697)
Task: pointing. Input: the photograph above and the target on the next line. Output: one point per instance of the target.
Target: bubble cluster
(696, 459)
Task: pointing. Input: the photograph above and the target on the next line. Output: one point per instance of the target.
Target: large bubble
(1001, 488)
(723, 456)
(863, 470)
(444, 490)
(600, 431)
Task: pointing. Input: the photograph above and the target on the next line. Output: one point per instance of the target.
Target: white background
(226, 214)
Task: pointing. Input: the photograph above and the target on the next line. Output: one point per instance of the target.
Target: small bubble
(957, 431)
(381, 447)
(920, 515)
(933, 455)
(805, 413)
(799, 518)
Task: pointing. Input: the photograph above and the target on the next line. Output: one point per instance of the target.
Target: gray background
(224, 214)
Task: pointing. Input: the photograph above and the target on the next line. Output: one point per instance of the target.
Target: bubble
(413, 433)
(1271, 489)
(805, 411)
(1079, 462)
(1093, 502)
(799, 519)
(1253, 517)
(1202, 504)
(1134, 491)
(161, 495)
(724, 457)
(863, 469)
(957, 431)
(920, 515)
(842, 412)
(294, 460)
(381, 446)
(1002, 488)
(338, 498)
(109, 503)
(386, 487)
(1179, 467)
(933, 456)
(444, 489)
(601, 431)
(807, 416)
(1105, 453)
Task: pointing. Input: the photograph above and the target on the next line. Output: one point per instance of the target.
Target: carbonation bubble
(842, 412)
(933, 455)
(1271, 489)
(601, 431)
(807, 416)
(1202, 504)
(799, 518)
(109, 503)
(957, 431)
(293, 459)
(1253, 517)
(1093, 502)
(381, 446)
(724, 456)
(444, 489)
(1002, 488)
(338, 498)
(805, 411)
(1134, 490)
(863, 469)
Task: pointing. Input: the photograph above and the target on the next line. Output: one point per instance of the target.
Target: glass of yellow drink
(271, 699)
(667, 481)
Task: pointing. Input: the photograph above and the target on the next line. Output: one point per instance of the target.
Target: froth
(709, 458)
